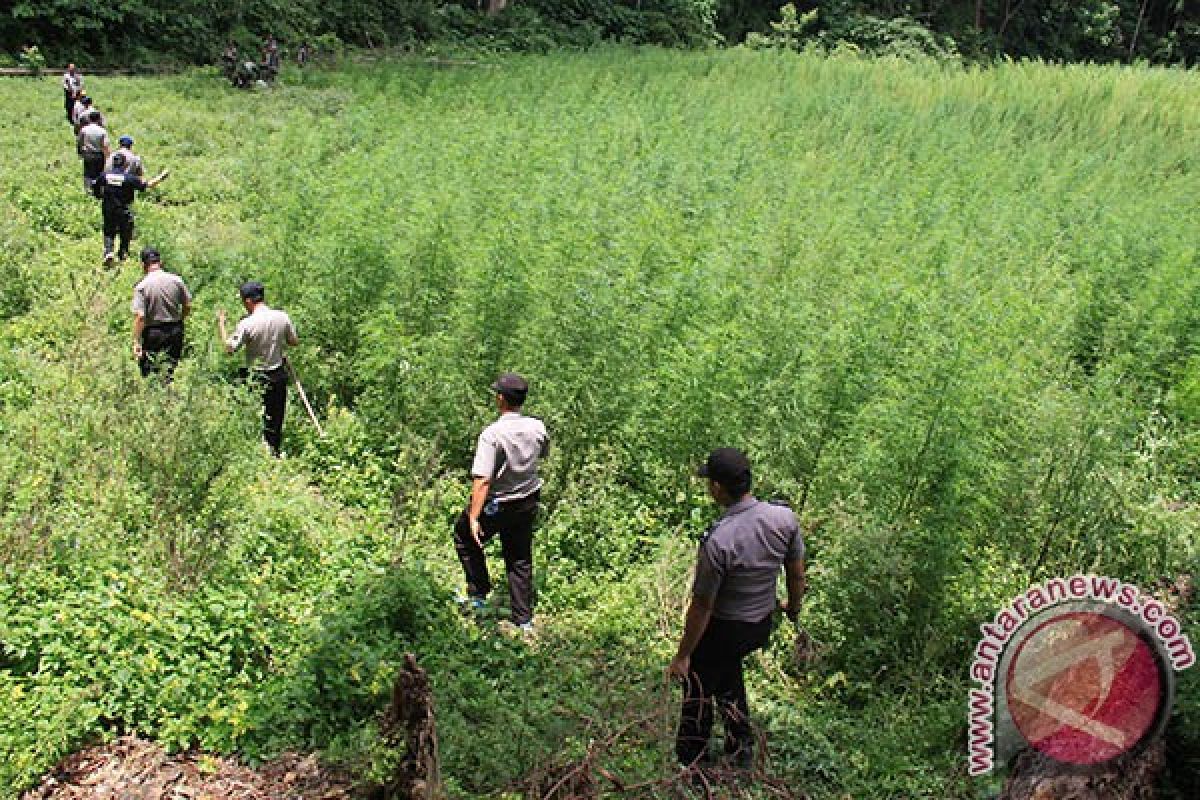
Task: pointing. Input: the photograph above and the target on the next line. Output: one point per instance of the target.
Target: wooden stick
(304, 398)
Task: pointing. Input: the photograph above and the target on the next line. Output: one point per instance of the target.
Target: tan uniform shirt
(92, 139)
(740, 559)
(507, 454)
(133, 162)
(265, 333)
(160, 297)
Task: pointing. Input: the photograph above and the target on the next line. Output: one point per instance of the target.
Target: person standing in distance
(72, 84)
(732, 605)
(505, 491)
(161, 302)
(266, 334)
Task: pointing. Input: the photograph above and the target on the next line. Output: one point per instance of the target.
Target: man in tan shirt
(161, 302)
(266, 333)
(505, 491)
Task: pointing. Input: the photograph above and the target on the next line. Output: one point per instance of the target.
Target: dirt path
(135, 769)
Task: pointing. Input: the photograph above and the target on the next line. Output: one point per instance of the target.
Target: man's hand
(679, 668)
(137, 351)
(477, 532)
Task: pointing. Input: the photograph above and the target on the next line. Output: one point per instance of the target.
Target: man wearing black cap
(161, 302)
(266, 333)
(733, 600)
(117, 190)
(504, 500)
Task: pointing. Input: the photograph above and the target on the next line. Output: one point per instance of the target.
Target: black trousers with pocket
(716, 678)
(513, 522)
(273, 385)
(118, 223)
(162, 347)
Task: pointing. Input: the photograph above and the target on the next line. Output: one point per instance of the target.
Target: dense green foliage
(153, 31)
(954, 316)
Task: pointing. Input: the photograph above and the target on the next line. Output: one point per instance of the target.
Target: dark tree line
(1160, 31)
(195, 31)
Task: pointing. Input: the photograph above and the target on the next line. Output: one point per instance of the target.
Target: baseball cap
(125, 141)
(253, 290)
(728, 467)
(511, 385)
(149, 254)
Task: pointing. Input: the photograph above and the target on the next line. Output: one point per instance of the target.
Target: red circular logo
(1084, 688)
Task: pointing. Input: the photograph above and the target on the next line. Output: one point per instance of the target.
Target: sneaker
(471, 602)
(108, 259)
(525, 630)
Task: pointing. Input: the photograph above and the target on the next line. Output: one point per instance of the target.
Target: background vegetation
(953, 315)
(143, 32)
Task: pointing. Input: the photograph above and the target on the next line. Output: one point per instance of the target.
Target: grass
(950, 312)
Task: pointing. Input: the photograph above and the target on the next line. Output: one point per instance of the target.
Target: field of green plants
(952, 314)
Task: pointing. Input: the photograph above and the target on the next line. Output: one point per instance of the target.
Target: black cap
(149, 254)
(728, 467)
(512, 386)
(253, 290)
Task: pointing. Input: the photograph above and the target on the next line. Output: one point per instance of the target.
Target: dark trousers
(716, 677)
(162, 347)
(274, 389)
(118, 222)
(68, 104)
(514, 524)
(93, 167)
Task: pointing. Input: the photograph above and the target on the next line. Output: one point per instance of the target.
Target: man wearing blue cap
(133, 162)
(732, 606)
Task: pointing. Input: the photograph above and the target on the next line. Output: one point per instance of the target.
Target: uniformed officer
(72, 84)
(266, 333)
(505, 491)
(117, 191)
(133, 162)
(733, 602)
(93, 147)
(82, 113)
(161, 302)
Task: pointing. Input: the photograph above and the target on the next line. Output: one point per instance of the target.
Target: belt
(159, 325)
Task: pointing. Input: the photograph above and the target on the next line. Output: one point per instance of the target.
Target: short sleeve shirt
(160, 297)
(93, 139)
(738, 563)
(507, 454)
(118, 190)
(133, 162)
(264, 334)
(72, 83)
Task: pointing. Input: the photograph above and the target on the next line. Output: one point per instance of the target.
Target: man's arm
(187, 308)
(695, 623)
(221, 332)
(795, 587)
(139, 324)
(292, 339)
(479, 493)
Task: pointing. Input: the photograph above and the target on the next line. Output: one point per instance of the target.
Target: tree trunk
(496, 6)
(1035, 777)
(978, 15)
(409, 723)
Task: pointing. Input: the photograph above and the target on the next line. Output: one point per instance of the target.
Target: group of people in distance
(161, 300)
(113, 176)
(242, 73)
(733, 606)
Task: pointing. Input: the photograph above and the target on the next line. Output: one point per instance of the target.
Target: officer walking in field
(93, 147)
(505, 492)
(266, 333)
(72, 84)
(732, 606)
(161, 302)
(133, 162)
(116, 191)
(82, 113)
